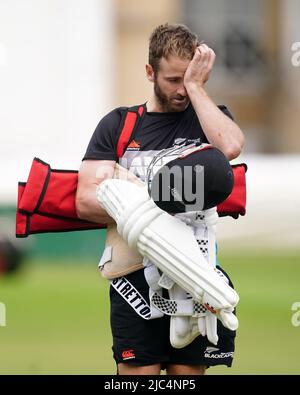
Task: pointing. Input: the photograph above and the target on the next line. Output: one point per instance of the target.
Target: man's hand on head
(200, 67)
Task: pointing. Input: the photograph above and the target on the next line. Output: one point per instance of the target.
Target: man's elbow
(233, 150)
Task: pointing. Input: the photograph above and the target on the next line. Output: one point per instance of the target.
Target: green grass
(58, 318)
(57, 322)
(267, 342)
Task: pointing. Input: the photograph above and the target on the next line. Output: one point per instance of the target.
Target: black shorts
(139, 342)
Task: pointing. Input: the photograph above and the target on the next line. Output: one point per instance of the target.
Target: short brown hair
(171, 39)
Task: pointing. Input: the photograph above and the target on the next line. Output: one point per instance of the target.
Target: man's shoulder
(115, 113)
(111, 121)
(118, 112)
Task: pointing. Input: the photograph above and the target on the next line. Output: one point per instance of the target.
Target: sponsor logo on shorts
(214, 353)
(211, 349)
(132, 297)
(128, 354)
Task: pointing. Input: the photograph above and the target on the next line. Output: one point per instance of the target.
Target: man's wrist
(195, 89)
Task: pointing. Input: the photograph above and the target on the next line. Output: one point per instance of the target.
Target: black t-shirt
(156, 132)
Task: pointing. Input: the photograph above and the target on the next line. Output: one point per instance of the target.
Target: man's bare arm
(219, 129)
(91, 174)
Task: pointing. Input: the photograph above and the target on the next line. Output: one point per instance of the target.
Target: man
(179, 108)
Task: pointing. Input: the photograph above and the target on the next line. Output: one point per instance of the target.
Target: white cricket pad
(164, 240)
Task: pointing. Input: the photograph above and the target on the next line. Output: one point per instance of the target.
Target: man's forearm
(219, 129)
(87, 206)
(89, 209)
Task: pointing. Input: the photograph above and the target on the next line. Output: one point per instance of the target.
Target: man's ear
(150, 73)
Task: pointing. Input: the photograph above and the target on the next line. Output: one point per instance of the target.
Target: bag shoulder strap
(128, 127)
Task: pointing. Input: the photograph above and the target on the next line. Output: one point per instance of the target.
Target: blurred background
(63, 65)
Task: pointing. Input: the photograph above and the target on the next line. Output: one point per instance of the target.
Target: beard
(167, 103)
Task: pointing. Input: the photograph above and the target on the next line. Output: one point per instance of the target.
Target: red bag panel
(21, 219)
(27, 224)
(235, 204)
(50, 192)
(46, 203)
(35, 185)
(41, 224)
(59, 199)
